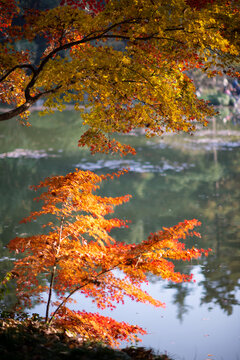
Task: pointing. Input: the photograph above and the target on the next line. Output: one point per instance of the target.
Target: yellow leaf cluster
(130, 62)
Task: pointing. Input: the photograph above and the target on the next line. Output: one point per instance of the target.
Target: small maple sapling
(79, 255)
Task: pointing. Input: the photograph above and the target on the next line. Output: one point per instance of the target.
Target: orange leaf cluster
(95, 327)
(8, 9)
(79, 255)
(98, 143)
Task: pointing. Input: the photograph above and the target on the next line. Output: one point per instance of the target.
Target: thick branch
(24, 107)
(22, 66)
(142, 38)
(17, 111)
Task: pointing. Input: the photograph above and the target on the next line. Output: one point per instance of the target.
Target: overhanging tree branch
(24, 107)
(106, 33)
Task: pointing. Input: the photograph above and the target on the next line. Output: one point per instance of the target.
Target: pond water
(170, 179)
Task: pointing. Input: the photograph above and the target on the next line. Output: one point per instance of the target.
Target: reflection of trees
(182, 292)
(222, 273)
(220, 282)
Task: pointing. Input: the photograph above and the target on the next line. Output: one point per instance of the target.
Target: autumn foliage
(123, 64)
(78, 256)
(8, 9)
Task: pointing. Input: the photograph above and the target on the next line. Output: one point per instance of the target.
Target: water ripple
(134, 166)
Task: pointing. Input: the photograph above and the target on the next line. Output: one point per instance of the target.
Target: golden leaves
(133, 69)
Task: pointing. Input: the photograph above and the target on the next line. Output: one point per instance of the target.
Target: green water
(170, 179)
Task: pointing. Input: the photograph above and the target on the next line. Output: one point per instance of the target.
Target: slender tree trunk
(78, 288)
(53, 272)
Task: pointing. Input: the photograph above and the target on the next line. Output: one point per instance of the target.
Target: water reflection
(170, 180)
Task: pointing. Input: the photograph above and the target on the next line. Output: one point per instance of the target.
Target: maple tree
(79, 255)
(144, 84)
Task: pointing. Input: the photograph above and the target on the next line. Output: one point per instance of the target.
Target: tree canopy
(127, 62)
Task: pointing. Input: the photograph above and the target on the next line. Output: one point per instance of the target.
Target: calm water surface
(170, 179)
